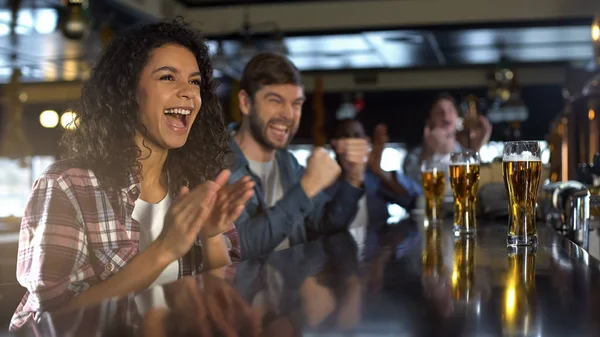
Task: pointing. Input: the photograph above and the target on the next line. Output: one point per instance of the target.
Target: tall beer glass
(464, 178)
(522, 167)
(433, 174)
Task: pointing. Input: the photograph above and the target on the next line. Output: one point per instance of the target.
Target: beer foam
(464, 163)
(523, 156)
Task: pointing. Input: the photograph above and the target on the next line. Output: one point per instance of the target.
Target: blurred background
(517, 62)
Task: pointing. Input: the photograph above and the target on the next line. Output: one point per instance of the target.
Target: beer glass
(464, 178)
(433, 174)
(521, 168)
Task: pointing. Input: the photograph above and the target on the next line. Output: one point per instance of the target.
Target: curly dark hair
(107, 113)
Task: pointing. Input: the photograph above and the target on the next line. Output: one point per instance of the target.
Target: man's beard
(258, 130)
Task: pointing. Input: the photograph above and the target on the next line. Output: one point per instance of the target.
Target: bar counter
(411, 281)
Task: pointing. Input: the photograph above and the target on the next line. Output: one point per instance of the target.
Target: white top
(358, 227)
(151, 298)
(151, 218)
(268, 173)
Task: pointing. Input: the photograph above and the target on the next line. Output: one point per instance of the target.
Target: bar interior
(299, 168)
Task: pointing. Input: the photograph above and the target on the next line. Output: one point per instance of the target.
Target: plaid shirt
(74, 235)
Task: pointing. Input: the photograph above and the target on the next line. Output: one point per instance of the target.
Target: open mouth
(178, 117)
(280, 131)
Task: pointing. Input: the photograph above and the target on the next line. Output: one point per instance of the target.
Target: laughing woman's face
(168, 96)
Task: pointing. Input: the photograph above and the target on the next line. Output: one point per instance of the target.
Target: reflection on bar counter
(520, 302)
(463, 269)
(433, 258)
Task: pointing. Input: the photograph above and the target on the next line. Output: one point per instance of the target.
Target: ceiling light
(49, 119)
(75, 25)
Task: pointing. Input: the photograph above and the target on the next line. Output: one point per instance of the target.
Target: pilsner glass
(521, 168)
(464, 178)
(433, 174)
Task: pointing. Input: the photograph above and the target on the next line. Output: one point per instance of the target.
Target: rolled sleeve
(52, 262)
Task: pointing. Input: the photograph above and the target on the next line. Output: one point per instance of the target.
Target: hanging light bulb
(75, 24)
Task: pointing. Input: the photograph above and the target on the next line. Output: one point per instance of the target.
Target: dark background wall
(405, 112)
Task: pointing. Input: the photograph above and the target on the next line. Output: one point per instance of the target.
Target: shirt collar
(133, 189)
(240, 159)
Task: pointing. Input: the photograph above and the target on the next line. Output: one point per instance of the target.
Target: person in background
(289, 200)
(140, 198)
(381, 187)
(440, 135)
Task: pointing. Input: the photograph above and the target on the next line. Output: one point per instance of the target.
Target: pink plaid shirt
(74, 235)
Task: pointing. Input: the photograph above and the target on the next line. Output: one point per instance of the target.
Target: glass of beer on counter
(464, 178)
(433, 174)
(521, 168)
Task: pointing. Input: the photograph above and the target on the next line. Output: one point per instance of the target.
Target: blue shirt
(262, 228)
(379, 197)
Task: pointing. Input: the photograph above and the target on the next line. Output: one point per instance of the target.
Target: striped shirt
(75, 234)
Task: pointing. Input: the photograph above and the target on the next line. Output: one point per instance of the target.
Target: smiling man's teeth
(279, 127)
(178, 111)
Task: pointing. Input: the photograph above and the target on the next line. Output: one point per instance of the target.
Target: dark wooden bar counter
(411, 281)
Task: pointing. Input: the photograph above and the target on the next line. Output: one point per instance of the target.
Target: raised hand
(380, 138)
(321, 171)
(438, 140)
(185, 218)
(209, 209)
(480, 131)
(228, 204)
(352, 154)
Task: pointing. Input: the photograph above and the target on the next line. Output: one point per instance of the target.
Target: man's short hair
(268, 68)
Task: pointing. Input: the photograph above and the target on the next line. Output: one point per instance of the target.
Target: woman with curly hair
(140, 198)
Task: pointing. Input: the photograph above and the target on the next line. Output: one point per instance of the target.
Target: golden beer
(434, 183)
(522, 179)
(464, 179)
